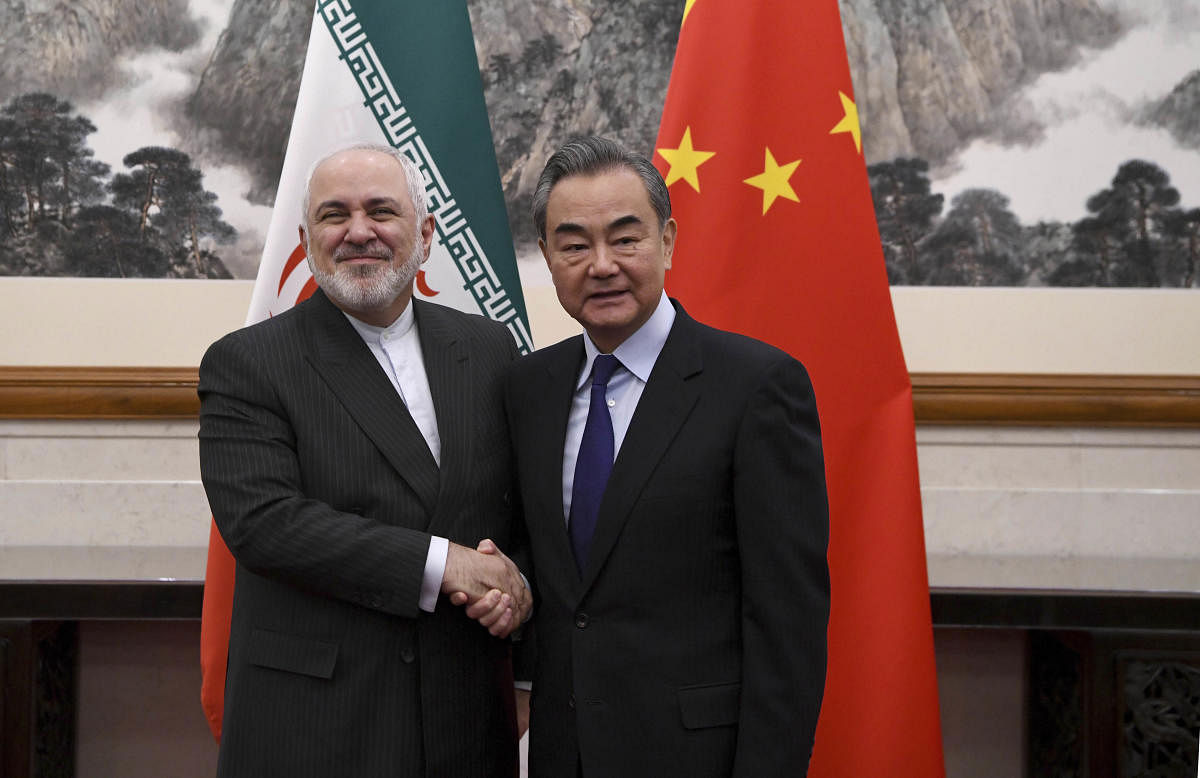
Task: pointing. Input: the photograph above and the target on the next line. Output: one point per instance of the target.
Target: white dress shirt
(637, 355)
(397, 348)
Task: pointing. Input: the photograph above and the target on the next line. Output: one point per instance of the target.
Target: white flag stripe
(329, 115)
(346, 96)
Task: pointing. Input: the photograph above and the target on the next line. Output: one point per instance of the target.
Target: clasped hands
(489, 585)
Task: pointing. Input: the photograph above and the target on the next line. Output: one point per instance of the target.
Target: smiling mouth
(362, 253)
(608, 294)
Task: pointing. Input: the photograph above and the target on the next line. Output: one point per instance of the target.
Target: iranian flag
(761, 147)
(402, 74)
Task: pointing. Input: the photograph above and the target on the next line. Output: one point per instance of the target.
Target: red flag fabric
(761, 149)
(214, 629)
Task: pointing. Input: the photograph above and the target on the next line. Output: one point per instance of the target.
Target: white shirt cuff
(435, 569)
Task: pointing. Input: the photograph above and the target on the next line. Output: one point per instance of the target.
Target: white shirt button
(612, 403)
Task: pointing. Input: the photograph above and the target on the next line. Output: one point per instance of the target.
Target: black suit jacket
(694, 641)
(326, 494)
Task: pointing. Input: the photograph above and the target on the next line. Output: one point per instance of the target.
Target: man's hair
(412, 176)
(591, 156)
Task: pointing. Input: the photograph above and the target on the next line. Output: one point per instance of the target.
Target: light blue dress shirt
(637, 355)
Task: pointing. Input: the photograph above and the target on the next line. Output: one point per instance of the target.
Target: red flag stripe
(295, 258)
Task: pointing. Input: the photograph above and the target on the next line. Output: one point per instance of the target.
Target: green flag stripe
(498, 300)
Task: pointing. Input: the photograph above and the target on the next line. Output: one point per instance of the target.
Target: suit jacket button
(581, 620)
(407, 655)
(571, 702)
(376, 601)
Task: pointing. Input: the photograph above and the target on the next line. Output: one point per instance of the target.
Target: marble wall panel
(988, 492)
(1058, 458)
(122, 451)
(1147, 523)
(104, 513)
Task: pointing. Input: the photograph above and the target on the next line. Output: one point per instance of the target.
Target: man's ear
(669, 232)
(545, 250)
(428, 227)
(303, 238)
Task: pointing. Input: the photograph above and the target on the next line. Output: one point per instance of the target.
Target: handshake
(489, 585)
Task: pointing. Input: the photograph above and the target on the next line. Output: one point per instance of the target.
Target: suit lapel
(346, 364)
(666, 402)
(556, 389)
(447, 367)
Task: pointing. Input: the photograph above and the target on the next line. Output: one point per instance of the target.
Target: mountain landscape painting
(1008, 142)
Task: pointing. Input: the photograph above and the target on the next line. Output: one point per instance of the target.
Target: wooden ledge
(1039, 400)
(938, 398)
(98, 393)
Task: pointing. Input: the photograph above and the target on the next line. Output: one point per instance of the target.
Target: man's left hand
(498, 611)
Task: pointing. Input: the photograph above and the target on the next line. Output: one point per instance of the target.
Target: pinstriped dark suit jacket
(693, 644)
(326, 493)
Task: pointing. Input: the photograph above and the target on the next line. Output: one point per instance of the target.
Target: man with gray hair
(355, 458)
(674, 496)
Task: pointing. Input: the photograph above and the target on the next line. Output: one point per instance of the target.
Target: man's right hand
(489, 584)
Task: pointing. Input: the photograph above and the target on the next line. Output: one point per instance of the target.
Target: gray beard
(368, 287)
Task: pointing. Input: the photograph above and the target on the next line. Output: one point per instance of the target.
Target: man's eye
(383, 212)
(327, 216)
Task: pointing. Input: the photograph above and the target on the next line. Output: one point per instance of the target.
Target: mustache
(373, 249)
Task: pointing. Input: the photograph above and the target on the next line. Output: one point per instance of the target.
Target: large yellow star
(849, 122)
(774, 181)
(685, 161)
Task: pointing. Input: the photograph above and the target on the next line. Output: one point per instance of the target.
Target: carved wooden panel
(1160, 714)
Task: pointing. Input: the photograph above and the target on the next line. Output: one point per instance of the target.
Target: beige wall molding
(938, 398)
(98, 393)
(1035, 399)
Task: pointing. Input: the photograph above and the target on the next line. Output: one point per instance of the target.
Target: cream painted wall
(156, 323)
(136, 322)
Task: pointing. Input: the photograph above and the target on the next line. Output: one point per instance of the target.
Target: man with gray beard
(355, 457)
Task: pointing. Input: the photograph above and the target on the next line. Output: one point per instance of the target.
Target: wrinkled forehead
(608, 196)
(358, 176)
(359, 164)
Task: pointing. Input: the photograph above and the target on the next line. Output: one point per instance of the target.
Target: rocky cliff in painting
(569, 66)
(1179, 112)
(244, 102)
(72, 48)
(929, 75)
(576, 67)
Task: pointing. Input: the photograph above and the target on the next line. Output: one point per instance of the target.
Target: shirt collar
(372, 334)
(639, 351)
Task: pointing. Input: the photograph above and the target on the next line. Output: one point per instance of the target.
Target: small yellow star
(685, 161)
(849, 122)
(687, 9)
(774, 181)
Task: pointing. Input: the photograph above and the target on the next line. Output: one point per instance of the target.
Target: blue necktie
(594, 462)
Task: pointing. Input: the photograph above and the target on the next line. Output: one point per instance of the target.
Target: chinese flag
(761, 149)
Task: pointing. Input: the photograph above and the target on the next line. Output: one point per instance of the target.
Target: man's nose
(604, 262)
(360, 228)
